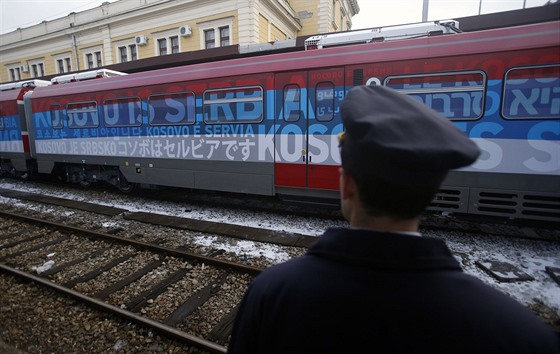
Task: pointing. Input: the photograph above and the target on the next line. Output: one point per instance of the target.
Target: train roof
(32, 83)
(529, 36)
(9, 96)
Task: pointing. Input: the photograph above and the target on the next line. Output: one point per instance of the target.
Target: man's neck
(384, 223)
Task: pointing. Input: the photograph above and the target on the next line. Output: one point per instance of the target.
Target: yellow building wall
(187, 44)
(48, 60)
(263, 29)
(277, 34)
(309, 25)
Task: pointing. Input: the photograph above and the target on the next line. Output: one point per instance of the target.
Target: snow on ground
(530, 256)
(291, 224)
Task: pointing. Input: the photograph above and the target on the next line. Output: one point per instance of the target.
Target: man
(379, 286)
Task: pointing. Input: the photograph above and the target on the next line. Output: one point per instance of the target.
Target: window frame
(123, 54)
(63, 63)
(333, 99)
(224, 40)
(70, 111)
(37, 68)
(131, 50)
(185, 93)
(105, 103)
(232, 100)
(175, 44)
(504, 89)
(216, 27)
(209, 42)
(12, 71)
(167, 38)
(458, 89)
(93, 56)
(162, 46)
(284, 91)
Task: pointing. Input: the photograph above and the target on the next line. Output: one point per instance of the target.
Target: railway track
(178, 233)
(127, 278)
(546, 231)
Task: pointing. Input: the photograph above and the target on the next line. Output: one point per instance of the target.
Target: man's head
(398, 151)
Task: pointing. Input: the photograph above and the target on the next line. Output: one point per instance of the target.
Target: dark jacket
(359, 291)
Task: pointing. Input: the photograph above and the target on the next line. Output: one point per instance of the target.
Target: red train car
(268, 124)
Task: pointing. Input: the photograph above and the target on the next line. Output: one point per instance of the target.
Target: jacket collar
(384, 250)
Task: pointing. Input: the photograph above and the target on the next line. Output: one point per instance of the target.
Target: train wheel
(84, 183)
(123, 185)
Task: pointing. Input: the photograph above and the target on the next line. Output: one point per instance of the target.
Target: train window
(324, 101)
(292, 103)
(177, 108)
(122, 112)
(1, 122)
(456, 95)
(82, 115)
(234, 105)
(532, 93)
(57, 116)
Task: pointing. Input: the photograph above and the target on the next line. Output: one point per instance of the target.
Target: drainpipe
(75, 48)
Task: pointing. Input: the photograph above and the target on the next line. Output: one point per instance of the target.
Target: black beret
(393, 137)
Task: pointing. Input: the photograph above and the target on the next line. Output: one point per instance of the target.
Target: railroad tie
(194, 301)
(221, 332)
(103, 294)
(96, 272)
(140, 301)
(71, 263)
(34, 248)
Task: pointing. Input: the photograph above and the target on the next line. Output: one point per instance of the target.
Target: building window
(37, 69)
(174, 44)
(162, 46)
(126, 51)
(209, 39)
(133, 52)
(60, 66)
(168, 44)
(89, 59)
(94, 59)
(216, 33)
(224, 36)
(98, 58)
(15, 73)
(63, 64)
(123, 53)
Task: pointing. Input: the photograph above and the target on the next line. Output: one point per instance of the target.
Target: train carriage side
(15, 156)
(268, 124)
(152, 130)
(502, 88)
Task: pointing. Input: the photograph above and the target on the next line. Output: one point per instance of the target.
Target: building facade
(128, 30)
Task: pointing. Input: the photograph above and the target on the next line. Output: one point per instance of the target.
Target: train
(268, 124)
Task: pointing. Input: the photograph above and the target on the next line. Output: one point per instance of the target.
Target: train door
(290, 138)
(307, 120)
(326, 93)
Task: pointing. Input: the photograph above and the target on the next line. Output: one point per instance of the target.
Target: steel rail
(139, 244)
